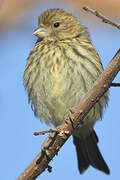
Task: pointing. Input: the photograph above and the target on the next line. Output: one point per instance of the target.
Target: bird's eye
(57, 24)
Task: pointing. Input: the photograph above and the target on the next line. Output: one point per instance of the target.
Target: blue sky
(18, 145)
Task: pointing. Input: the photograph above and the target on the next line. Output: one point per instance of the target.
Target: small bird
(60, 70)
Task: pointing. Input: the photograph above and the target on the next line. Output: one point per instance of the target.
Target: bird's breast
(59, 78)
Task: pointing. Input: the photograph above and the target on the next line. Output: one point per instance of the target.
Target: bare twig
(115, 84)
(40, 163)
(45, 132)
(104, 19)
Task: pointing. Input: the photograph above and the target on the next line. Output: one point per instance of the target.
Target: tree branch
(55, 140)
(115, 85)
(44, 132)
(104, 19)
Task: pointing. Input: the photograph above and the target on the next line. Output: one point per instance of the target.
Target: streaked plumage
(60, 69)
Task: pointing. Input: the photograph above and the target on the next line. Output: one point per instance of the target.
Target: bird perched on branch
(61, 69)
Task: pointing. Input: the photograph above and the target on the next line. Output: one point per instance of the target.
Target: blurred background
(18, 146)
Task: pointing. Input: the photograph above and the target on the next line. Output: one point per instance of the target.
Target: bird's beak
(40, 32)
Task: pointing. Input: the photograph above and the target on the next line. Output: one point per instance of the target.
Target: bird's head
(56, 24)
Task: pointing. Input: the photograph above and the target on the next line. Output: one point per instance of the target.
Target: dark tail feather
(88, 154)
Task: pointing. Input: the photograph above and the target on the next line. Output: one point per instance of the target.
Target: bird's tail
(88, 153)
